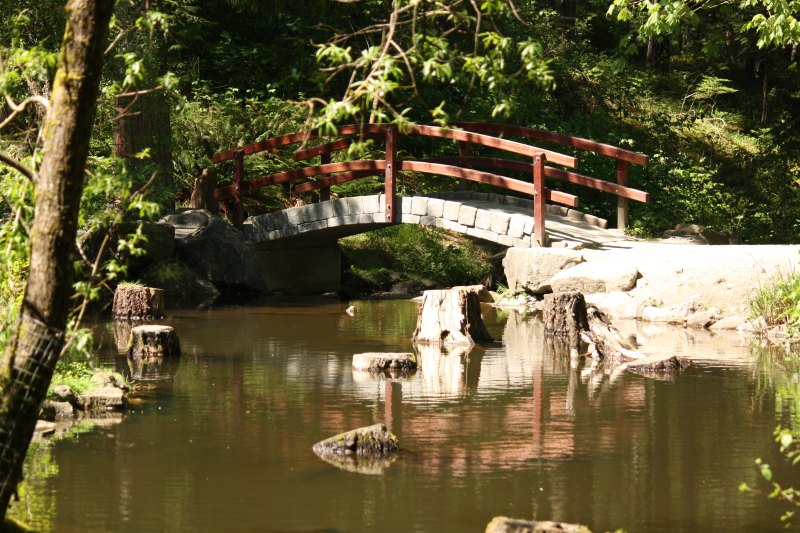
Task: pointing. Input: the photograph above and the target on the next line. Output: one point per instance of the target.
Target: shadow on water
(510, 429)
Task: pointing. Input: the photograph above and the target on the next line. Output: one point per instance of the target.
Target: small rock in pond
(370, 441)
(383, 361)
(502, 524)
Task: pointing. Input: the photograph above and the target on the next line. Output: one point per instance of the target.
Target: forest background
(708, 90)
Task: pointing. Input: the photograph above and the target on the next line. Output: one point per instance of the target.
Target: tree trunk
(144, 122)
(764, 95)
(29, 359)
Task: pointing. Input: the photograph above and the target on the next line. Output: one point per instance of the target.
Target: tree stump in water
(153, 341)
(450, 317)
(565, 316)
(133, 302)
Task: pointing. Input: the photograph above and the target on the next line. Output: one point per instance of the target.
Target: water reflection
(512, 429)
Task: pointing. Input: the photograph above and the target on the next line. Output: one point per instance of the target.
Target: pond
(508, 429)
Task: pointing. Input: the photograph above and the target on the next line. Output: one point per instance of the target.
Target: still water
(508, 429)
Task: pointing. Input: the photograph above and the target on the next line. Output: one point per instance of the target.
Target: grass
(778, 302)
(417, 252)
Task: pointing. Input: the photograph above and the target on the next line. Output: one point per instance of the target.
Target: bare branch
(19, 167)
(16, 109)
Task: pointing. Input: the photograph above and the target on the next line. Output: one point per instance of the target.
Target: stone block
(436, 207)
(466, 215)
(408, 218)
(528, 229)
(451, 210)
(522, 243)
(500, 223)
(372, 203)
(480, 196)
(427, 221)
(505, 240)
(404, 205)
(296, 215)
(313, 226)
(496, 198)
(419, 205)
(516, 227)
(462, 195)
(483, 219)
(574, 214)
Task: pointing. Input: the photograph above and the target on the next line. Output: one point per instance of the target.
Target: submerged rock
(659, 366)
(371, 441)
(384, 361)
(502, 524)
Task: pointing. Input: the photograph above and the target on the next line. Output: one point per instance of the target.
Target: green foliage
(418, 253)
(778, 302)
(77, 375)
(789, 445)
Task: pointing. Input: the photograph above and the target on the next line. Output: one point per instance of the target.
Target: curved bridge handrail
(426, 131)
(556, 138)
(550, 172)
(465, 133)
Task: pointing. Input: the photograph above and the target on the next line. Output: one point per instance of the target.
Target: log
(613, 347)
(450, 317)
(133, 302)
(607, 339)
(565, 316)
(153, 341)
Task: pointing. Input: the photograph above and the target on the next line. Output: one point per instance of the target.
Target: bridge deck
(503, 219)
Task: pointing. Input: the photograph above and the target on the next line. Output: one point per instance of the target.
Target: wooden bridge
(533, 162)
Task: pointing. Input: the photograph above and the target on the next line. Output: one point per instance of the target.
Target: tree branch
(16, 109)
(19, 167)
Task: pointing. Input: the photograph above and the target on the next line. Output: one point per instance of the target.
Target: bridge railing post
(538, 200)
(237, 215)
(622, 203)
(463, 151)
(325, 192)
(390, 188)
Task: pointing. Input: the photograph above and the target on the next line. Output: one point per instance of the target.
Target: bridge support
(312, 269)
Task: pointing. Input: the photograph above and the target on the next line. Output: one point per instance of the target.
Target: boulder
(696, 234)
(217, 250)
(53, 411)
(384, 361)
(484, 296)
(728, 323)
(619, 304)
(676, 314)
(595, 276)
(104, 399)
(530, 269)
(158, 243)
(179, 282)
(502, 524)
(108, 379)
(410, 287)
(371, 441)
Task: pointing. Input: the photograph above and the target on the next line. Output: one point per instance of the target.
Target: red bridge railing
(477, 133)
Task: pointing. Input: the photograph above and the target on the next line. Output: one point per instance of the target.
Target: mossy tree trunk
(28, 360)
